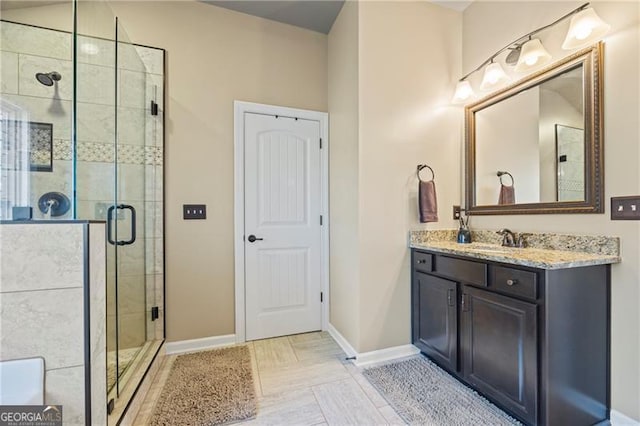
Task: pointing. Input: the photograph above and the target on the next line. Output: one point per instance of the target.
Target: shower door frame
(123, 400)
(122, 406)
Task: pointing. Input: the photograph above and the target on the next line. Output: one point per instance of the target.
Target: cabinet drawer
(422, 261)
(462, 270)
(514, 281)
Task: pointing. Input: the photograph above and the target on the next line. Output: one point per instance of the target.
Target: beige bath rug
(207, 388)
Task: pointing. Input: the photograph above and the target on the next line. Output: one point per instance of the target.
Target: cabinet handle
(450, 297)
(464, 304)
(512, 282)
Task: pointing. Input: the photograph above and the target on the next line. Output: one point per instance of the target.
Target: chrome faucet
(509, 239)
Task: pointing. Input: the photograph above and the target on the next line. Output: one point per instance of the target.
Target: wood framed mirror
(544, 134)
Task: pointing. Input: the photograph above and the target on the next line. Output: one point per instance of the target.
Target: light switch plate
(625, 208)
(194, 211)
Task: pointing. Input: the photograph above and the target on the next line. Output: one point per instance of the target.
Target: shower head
(48, 78)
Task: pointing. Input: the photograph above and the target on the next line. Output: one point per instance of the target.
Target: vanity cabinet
(436, 319)
(533, 341)
(498, 339)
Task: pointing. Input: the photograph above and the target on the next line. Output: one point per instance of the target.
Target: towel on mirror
(427, 201)
(507, 195)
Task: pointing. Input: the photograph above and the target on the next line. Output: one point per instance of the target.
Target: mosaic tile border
(105, 153)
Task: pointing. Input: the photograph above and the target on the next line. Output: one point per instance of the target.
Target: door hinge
(321, 297)
(155, 313)
(154, 108)
(320, 220)
(320, 143)
(110, 406)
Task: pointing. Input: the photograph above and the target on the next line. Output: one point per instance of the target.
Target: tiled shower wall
(27, 50)
(42, 309)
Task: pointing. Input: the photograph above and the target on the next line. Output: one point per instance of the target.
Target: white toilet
(22, 382)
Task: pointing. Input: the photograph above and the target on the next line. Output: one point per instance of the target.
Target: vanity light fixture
(493, 75)
(532, 55)
(586, 27)
(463, 91)
(528, 53)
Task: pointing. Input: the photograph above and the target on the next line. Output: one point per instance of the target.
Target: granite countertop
(545, 251)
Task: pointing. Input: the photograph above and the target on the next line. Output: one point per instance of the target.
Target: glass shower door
(114, 146)
(94, 142)
(126, 218)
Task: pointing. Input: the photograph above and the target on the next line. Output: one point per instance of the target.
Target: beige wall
(214, 56)
(344, 169)
(508, 20)
(407, 53)
(409, 57)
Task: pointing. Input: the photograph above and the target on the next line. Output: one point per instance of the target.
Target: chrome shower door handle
(133, 225)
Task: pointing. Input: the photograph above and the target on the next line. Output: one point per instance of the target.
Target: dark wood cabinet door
(499, 356)
(435, 319)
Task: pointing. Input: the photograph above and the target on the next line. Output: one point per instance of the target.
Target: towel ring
(424, 166)
(500, 174)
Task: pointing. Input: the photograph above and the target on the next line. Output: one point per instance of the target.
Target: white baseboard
(373, 357)
(385, 355)
(341, 341)
(619, 419)
(205, 343)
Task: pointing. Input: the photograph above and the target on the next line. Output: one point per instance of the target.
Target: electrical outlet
(625, 208)
(194, 211)
(456, 212)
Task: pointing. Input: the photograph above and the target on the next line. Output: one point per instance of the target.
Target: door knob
(252, 238)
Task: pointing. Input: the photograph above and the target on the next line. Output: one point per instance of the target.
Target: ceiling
(315, 15)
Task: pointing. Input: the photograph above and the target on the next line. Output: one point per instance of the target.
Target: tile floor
(301, 380)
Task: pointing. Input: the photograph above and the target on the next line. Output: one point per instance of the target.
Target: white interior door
(282, 213)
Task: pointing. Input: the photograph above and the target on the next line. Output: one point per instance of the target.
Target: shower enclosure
(81, 133)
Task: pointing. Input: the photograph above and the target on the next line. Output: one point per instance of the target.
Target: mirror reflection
(530, 147)
(535, 147)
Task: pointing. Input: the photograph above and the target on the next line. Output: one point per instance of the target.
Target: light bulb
(463, 92)
(493, 75)
(532, 54)
(582, 32)
(586, 28)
